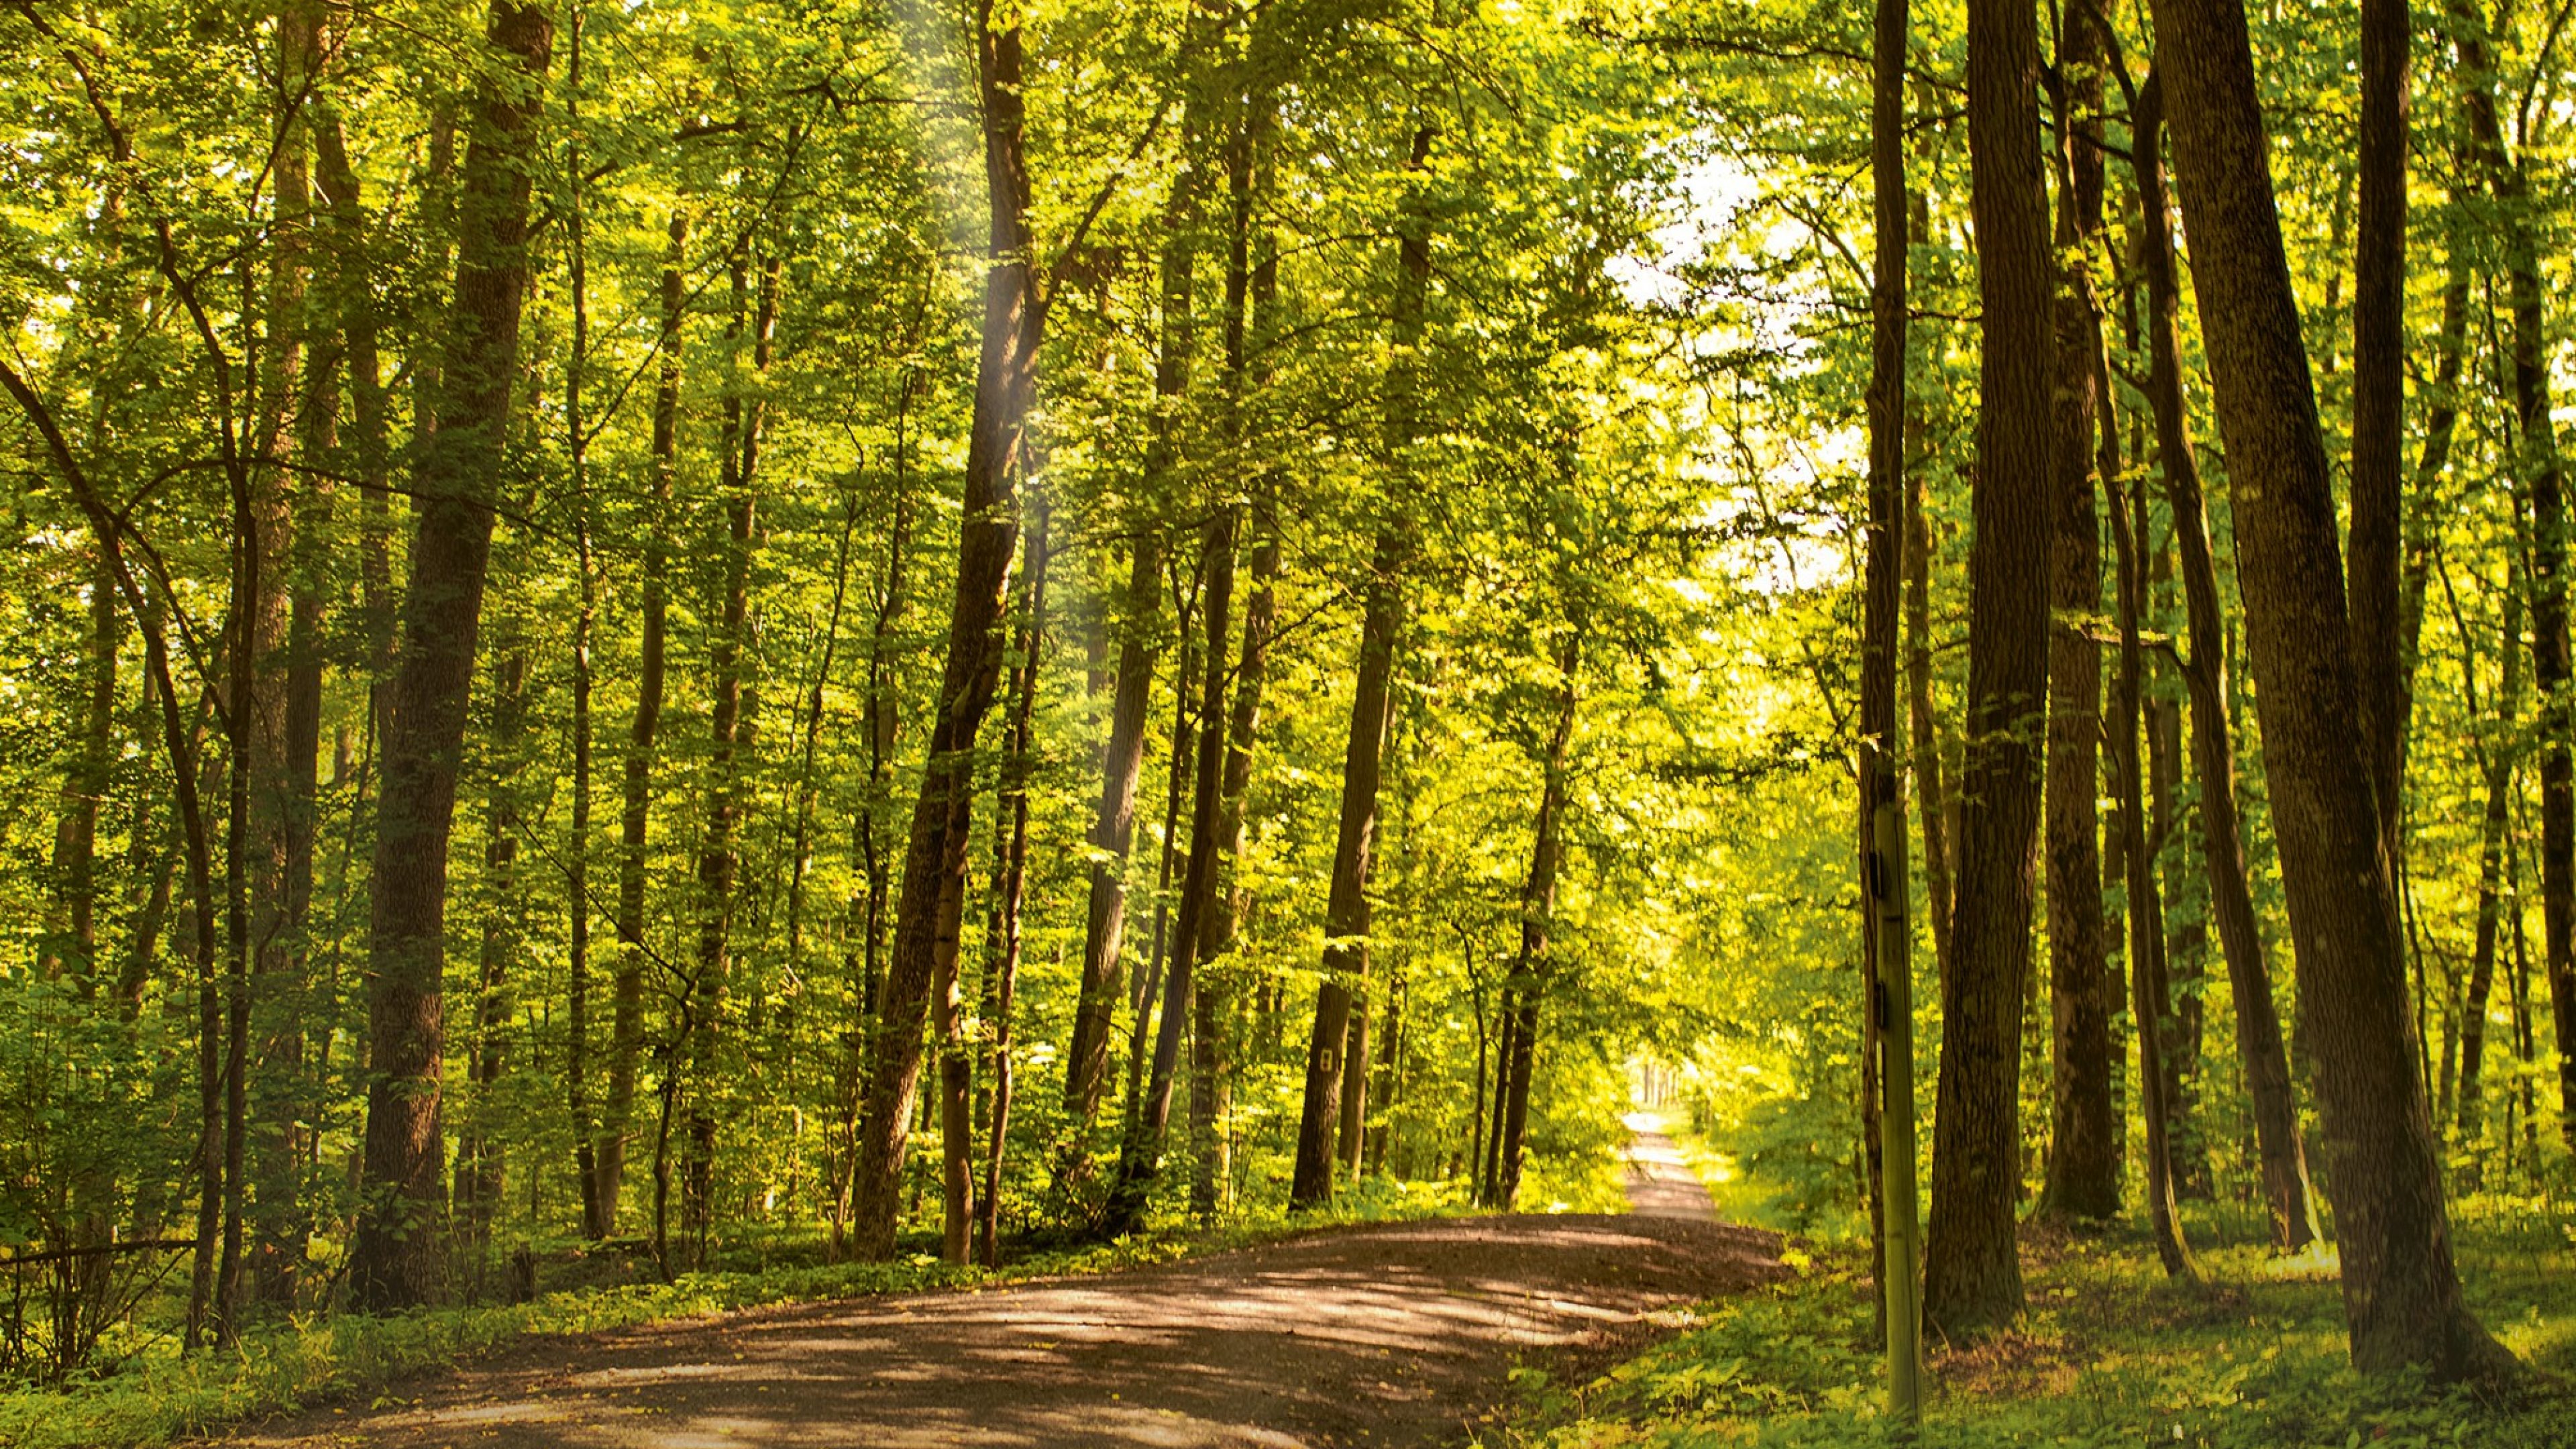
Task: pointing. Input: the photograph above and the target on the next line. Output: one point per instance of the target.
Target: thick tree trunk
(1972, 1278)
(2401, 1293)
(934, 865)
(396, 1258)
(626, 1029)
(2259, 1046)
(2086, 1141)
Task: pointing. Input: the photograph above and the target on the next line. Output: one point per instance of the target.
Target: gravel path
(1388, 1335)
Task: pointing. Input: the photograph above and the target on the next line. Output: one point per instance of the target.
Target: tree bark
(2378, 410)
(1972, 1278)
(2086, 1141)
(395, 1260)
(1346, 911)
(2496, 763)
(1011, 880)
(2259, 1045)
(2401, 1293)
(626, 1039)
(2150, 1003)
(935, 858)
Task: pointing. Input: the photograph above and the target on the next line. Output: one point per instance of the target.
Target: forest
(663, 657)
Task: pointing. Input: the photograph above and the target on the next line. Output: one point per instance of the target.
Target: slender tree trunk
(2150, 1004)
(1122, 758)
(935, 858)
(1140, 1159)
(594, 1211)
(2085, 1137)
(2378, 409)
(1346, 912)
(1011, 877)
(2496, 763)
(1538, 907)
(479, 1156)
(2538, 470)
(1972, 1278)
(1923, 720)
(626, 1030)
(2259, 1045)
(2401, 1294)
(395, 1260)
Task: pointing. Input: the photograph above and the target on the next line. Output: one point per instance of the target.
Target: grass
(2110, 1354)
(158, 1396)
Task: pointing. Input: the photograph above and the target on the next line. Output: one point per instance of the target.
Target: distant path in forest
(1398, 1334)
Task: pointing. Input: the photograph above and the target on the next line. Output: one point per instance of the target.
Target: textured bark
(934, 865)
(2085, 1138)
(634, 824)
(395, 1260)
(1972, 1278)
(2260, 1049)
(2401, 1294)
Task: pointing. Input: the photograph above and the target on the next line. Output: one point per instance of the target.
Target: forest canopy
(650, 637)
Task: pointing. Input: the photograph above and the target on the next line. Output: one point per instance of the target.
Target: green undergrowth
(2110, 1354)
(157, 1396)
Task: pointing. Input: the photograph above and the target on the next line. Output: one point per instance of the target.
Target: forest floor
(1402, 1334)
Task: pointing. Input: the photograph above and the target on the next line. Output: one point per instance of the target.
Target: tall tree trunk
(1346, 911)
(1113, 831)
(1972, 1277)
(2086, 1141)
(2259, 1046)
(2150, 1004)
(576, 1073)
(479, 1153)
(626, 1029)
(718, 854)
(2401, 1294)
(1923, 721)
(1011, 882)
(1251, 297)
(1140, 1158)
(935, 858)
(2378, 411)
(2537, 469)
(396, 1257)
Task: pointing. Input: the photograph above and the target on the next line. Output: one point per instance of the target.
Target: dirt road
(1391, 1335)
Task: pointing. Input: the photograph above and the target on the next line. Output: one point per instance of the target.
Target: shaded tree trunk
(395, 1258)
(2085, 1136)
(1346, 911)
(1972, 1277)
(1011, 883)
(935, 857)
(2259, 1045)
(626, 1039)
(2401, 1293)
(1538, 910)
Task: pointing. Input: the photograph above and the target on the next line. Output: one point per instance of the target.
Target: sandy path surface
(1660, 1183)
(1389, 1335)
